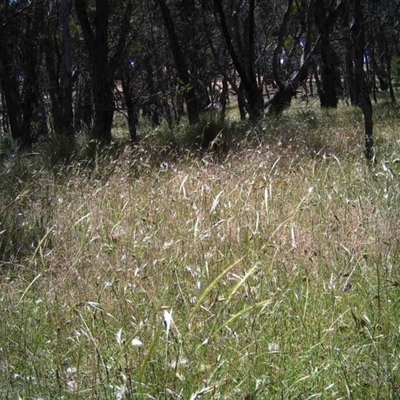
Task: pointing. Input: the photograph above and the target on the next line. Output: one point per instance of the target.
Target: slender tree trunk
(325, 21)
(83, 105)
(152, 104)
(102, 81)
(5, 121)
(22, 104)
(389, 70)
(31, 87)
(189, 93)
(103, 102)
(241, 102)
(361, 89)
(350, 78)
(67, 116)
(12, 97)
(287, 89)
(244, 60)
(371, 72)
(130, 106)
(54, 87)
(103, 66)
(223, 97)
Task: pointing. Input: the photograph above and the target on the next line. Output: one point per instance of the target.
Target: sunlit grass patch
(270, 273)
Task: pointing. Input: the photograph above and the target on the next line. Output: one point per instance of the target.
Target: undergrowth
(159, 272)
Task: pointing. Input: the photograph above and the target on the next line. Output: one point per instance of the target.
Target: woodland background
(66, 66)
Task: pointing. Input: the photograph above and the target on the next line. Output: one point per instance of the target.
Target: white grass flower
(201, 392)
(72, 386)
(168, 321)
(119, 337)
(293, 235)
(71, 371)
(120, 392)
(266, 198)
(273, 347)
(171, 394)
(168, 244)
(216, 202)
(136, 342)
(181, 362)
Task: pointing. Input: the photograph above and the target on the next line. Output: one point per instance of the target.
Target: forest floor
(271, 271)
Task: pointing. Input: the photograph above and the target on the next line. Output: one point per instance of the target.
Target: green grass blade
(211, 286)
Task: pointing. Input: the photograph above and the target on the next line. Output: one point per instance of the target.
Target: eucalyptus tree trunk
(189, 93)
(103, 66)
(59, 70)
(20, 79)
(83, 105)
(361, 94)
(12, 98)
(66, 111)
(130, 106)
(325, 19)
(243, 57)
(287, 88)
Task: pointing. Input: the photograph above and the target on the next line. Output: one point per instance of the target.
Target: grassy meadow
(271, 271)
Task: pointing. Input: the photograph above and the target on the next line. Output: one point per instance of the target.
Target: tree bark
(287, 89)
(325, 20)
(103, 67)
(189, 93)
(83, 115)
(12, 96)
(244, 59)
(130, 106)
(22, 103)
(361, 89)
(66, 114)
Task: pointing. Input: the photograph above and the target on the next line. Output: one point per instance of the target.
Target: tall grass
(272, 274)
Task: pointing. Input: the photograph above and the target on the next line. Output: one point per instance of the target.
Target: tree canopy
(67, 66)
